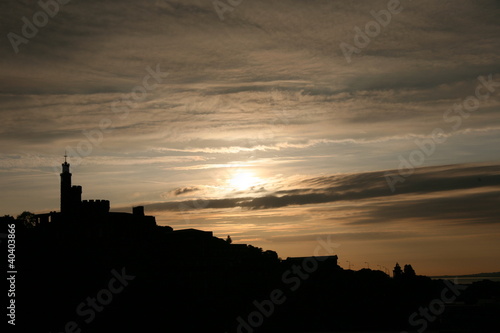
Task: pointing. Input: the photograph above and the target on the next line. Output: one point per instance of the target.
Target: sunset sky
(374, 123)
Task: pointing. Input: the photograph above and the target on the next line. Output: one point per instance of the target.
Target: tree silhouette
(409, 271)
(397, 272)
(27, 219)
(7, 218)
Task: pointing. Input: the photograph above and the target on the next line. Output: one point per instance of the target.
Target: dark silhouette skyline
(89, 269)
(75, 210)
(160, 103)
(233, 166)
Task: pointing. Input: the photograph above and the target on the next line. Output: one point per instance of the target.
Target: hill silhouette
(86, 269)
(136, 278)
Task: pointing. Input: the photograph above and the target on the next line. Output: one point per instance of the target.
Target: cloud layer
(267, 90)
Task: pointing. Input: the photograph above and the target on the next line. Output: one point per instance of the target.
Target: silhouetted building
(138, 211)
(43, 219)
(95, 212)
(95, 207)
(71, 196)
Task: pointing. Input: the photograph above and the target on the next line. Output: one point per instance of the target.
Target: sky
(372, 125)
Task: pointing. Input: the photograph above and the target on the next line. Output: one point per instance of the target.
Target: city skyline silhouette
(158, 276)
(250, 166)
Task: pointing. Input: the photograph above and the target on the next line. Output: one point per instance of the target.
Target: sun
(243, 180)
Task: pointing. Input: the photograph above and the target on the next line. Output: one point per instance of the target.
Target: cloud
(442, 180)
(258, 86)
(349, 236)
(183, 190)
(473, 207)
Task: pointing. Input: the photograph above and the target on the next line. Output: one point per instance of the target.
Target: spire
(65, 186)
(65, 165)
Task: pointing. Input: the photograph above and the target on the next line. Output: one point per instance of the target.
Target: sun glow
(243, 180)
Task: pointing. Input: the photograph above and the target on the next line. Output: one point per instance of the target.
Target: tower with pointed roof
(71, 196)
(65, 187)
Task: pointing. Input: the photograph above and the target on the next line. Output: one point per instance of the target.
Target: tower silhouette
(92, 212)
(65, 187)
(71, 196)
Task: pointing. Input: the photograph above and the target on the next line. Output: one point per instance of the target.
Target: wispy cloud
(267, 89)
(444, 180)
